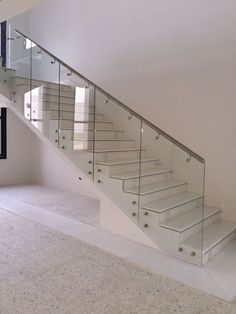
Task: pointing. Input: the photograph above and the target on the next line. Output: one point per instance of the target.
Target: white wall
(10, 8)
(56, 171)
(172, 61)
(19, 165)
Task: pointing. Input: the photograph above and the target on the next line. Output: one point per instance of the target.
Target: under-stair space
(154, 179)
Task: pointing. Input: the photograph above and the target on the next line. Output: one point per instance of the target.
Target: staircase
(157, 181)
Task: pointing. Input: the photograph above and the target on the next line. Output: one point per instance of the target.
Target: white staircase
(157, 182)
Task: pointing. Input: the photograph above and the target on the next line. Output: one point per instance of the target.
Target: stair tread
(107, 150)
(101, 130)
(155, 187)
(165, 204)
(74, 111)
(53, 95)
(109, 130)
(212, 235)
(83, 121)
(104, 140)
(124, 161)
(136, 174)
(190, 218)
(43, 82)
(45, 101)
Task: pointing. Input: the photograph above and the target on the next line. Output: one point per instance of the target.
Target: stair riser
(112, 145)
(116, 156)
(65, 107)
(66, 123)
(166, 239)
(101, 125)
(89, 125)
(132, 167)
(211, 253)
(173, 212)
(197, 228)
(144, 180)
(56, 92)
(101, 135)
(113, 188)
(84, 108)
(74, 116)
(147, 217)
(144, 199)
(79, 116)
(64, 100)
(55, 106)
(218, 248)
(62, 115)
(109, 135)
(66, 135)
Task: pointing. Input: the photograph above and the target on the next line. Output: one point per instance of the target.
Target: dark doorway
(3, 133)
(4, 43)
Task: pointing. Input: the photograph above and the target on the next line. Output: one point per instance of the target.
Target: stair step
(155, 187)
(83, 121)
(103, 140)
(109, 130)
(56, 91)
(101, 130)
(58, 96)
(45, 101)
(212, 236)
(168, 203)
(137, 174)
(124, 162)
(189, 219)
(73, 111)
(111, 150)
(37, 83)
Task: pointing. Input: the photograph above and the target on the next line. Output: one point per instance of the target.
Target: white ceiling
(10, 8)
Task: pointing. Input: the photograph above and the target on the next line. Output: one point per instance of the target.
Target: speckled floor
(45, 272)
(76, 206)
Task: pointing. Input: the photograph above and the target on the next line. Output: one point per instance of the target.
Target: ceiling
(10, 8)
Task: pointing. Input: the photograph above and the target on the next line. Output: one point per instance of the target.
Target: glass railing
(157, 181)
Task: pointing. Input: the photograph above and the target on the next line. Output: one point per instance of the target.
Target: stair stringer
(108, 210)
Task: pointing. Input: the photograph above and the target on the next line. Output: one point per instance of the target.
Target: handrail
(133, 113)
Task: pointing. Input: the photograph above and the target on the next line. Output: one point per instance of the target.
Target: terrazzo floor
(75, 206)
(44, 271)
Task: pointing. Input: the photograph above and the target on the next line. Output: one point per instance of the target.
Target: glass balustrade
(171, 194)
(117, 152)
(77, 119)
(154, 179)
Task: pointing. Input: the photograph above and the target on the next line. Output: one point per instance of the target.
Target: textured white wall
(19, 165)
(172, 61)
(10, 8)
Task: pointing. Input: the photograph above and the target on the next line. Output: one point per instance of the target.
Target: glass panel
(20, 78)
(171, 196)
(44, 93)
(76, 117)
(117, 153)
